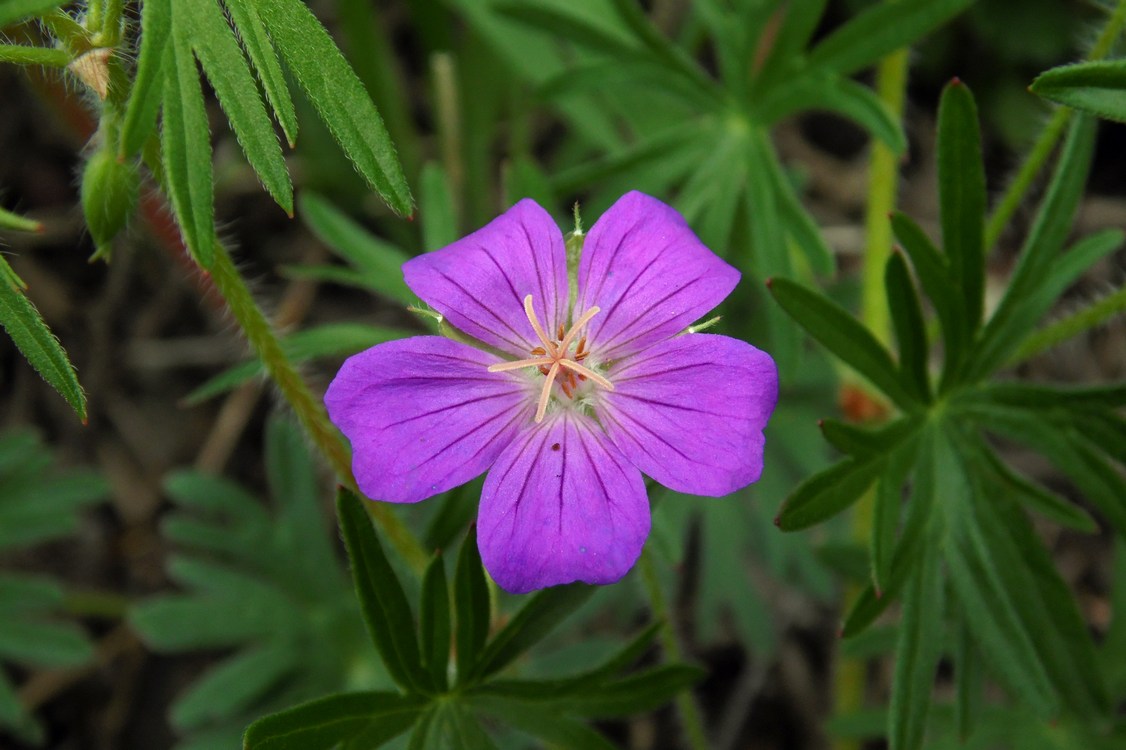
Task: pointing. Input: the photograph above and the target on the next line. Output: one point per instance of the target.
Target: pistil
(552, 358)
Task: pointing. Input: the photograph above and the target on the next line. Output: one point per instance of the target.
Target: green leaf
(1095, 87)
(799, 225)
(839, 332)
(186, 144)
(674, 58)
(329, 340)
(554, 689)
(638, 693)
(1061, 444)
(543, 722)
(43, 643)
(1007, 328)
(838, 95)
(961, 191)
(979, 582)
(1043, 600)
(338, 96)
(881, 29)
(1033, 396)
(912, 543)
(434, 623)
(226, 68)
(828, 493)
(327, 721)
(382, 599)
(378, 263)
(935, 277)
(17, 10)
(889, 499)
(917, 652)
(969, 674)
(262, 56)
(530, 625)
(573, 24)
(439, 219)
(863, 442)
(1039, 499)
(910, 330)
(36, 342)
(471, 599)
(229, 688)
(145, 93)
(19, 593)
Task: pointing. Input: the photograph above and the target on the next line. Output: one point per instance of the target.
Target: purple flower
(568, 398)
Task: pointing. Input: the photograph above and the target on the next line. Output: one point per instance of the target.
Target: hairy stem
(259, 333)
(686, 706)
(310, 412)
(1071, 326)
(1049, 136)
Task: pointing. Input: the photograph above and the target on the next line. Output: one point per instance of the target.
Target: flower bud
(109, 197)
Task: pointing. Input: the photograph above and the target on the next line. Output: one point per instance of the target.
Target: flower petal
(690, 411)
(561, 504)
(480, 281)
(424, 415)
(649, 274)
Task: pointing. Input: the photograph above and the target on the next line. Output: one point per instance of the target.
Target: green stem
(883, 184)
(686, 706)
(1049, 136)
(260, 334)
(1071, 326)
(22, 54)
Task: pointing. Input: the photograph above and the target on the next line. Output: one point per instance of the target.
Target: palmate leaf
(38, 503)
(417, 658)
(264, 59)
(226, 69)
(263, 581)
(338, 97)
(36, 342)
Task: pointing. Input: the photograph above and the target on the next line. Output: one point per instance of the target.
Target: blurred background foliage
(208, 588)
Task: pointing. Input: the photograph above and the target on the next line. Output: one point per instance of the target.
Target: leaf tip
(770, 282)
(778, 520)
(955, 81)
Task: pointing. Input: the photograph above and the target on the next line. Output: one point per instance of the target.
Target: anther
(552, 358)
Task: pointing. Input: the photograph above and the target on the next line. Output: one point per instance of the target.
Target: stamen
(506, 366)
(553, 360)
(582, 321)
(547, 344)
(545, 394)
(588, 373)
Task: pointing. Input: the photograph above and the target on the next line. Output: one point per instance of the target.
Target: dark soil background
(145, 329)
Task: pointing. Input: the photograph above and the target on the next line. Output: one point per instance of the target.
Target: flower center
(553, 359)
